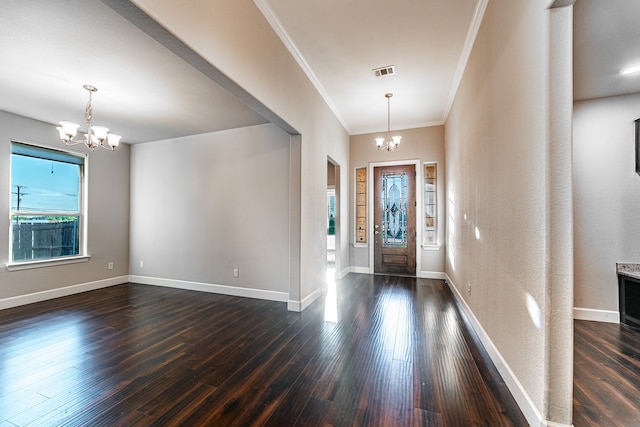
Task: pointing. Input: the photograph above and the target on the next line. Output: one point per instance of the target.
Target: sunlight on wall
(451, 229)
(534, 311)
(477, 234)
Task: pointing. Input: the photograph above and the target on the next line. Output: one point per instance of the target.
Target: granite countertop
(628, 269)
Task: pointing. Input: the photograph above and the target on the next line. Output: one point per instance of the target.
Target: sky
(45, 185)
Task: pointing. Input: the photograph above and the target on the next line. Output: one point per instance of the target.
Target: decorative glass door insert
(394, 214)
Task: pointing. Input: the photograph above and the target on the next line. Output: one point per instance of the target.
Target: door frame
(338, 230)
(370, 205)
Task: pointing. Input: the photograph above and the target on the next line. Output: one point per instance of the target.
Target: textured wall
(108, 213)
(498, 205)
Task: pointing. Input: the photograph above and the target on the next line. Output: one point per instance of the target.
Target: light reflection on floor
(331, 298)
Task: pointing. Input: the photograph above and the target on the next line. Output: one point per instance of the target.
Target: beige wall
(242, 45)
(501, 208)
(206, 204)
(606, 199)
(108, 218)
(423, 144)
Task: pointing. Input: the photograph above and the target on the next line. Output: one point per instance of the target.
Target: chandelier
(96, 136)
(392, 142)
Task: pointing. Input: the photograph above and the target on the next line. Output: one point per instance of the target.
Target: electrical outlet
(141, 264)
(110, 266)
(469, 289)
(236, 272)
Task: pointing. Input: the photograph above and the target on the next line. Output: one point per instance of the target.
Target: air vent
(385, 71)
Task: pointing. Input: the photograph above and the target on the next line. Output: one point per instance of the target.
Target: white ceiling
(342, 42)
(50, 48)
(606, 40)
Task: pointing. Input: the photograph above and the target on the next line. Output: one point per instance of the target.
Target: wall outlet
(469, 289)
(236, 272)
(110, 266)
(141, 264)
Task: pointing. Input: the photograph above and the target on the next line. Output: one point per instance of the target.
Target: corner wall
(236, 38)
(108, 220)
(606, 199)
(204, 205)
(505, 214)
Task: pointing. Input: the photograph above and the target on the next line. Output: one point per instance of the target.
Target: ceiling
(50, 48)
(606, 40)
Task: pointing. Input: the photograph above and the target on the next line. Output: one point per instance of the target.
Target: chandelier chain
(88, 112)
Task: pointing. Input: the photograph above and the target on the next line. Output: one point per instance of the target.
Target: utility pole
(20, 194)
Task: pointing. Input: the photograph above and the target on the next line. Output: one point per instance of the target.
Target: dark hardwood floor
(606, 377)
(380, 350)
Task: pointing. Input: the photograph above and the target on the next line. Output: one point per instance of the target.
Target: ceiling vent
(385, 71)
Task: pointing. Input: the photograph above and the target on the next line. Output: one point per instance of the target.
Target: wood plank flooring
(378, 351)
(606, 377)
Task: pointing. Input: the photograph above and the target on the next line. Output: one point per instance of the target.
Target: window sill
(28, 265)
(430, 247)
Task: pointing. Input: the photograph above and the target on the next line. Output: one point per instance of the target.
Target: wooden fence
(37, 240)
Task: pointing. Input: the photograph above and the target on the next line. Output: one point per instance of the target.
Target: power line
(20, 195)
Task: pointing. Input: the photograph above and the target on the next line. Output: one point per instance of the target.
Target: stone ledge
(628, 269)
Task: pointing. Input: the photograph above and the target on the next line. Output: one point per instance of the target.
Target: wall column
(559, 293)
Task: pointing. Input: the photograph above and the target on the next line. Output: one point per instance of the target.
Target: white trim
(474, 27)
(528, 408)
(212, 288)
(60, 292)
(342, 273)
(606, 316)
(359, 270)
(49, 262)
(306, 302)
(432, 275)
(360, 245)
(282, 33)
(554, 424)
(419, 207)
(294, 306)
(431, 247)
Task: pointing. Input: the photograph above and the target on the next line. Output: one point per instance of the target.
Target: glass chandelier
(392, 142)
(96, 136)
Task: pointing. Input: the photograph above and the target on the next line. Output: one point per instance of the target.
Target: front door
(394, 189)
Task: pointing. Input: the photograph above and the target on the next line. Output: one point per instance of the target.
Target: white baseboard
(343, 273)
(553, 424)
(60, 292)
(606, 316)
(306, 302)
(432, 275)
(528, 408)
(361, 270)
(212, 288)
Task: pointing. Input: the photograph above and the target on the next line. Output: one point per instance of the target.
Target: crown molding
(476, 21)
(282, 33)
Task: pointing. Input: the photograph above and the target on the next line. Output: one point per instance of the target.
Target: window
(361, 205)
(331, 214)
(430, 204)
(46, 203)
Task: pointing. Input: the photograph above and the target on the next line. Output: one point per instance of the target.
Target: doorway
(394, 219)
(333, 209)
